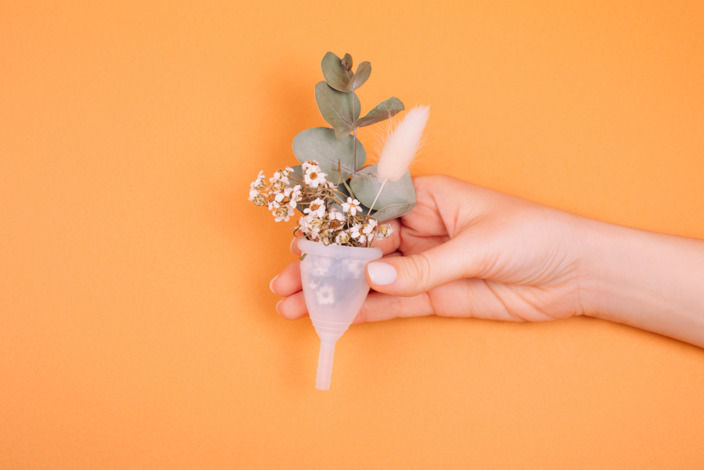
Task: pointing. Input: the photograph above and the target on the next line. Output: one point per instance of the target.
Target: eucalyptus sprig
(363, 196)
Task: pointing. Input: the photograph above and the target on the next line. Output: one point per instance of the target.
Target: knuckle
(418, 272)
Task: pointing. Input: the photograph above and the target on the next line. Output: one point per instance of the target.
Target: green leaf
(337, 72)
(296, 177)
(347, 62)
(396, 199)
(360, 76)
(340, 110)
(383, 110)
(321, 144)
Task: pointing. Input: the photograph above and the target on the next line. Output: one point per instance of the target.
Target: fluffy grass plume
(401, 146)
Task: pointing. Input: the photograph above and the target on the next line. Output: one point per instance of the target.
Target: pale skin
(467, 251)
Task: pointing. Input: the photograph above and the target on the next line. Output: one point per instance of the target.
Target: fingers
(417, 273)
(289, 281)
(294, 247)
(379, 307)
(292, 307)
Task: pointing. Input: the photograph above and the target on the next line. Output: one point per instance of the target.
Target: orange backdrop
(136, 326)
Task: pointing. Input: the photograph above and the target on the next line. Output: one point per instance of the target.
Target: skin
(466, 251)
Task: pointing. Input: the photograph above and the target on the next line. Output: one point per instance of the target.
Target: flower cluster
(329, 216)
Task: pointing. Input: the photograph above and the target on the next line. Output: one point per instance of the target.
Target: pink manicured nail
(278, 304)
(381, 274)
(271, 284)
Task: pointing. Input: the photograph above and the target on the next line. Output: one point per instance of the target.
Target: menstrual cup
(334, 287)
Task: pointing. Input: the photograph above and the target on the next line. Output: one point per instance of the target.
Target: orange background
(137, 329)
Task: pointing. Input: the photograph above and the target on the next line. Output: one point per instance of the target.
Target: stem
(354, 148)
(349, 189)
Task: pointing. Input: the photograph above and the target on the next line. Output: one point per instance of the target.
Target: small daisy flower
(337, 220)
(304, 224)
(275, 200)
(259, 182)
(384, 231)
(342, 238)
(260, 200)
(316, 208)
(278, 186)
(316, 225)
(294, 196)
(252, 194)
(280, 175)
(351, 207)
(369, 227)
(314, 177)
(310, 165)
(283, 213)
(355, 231)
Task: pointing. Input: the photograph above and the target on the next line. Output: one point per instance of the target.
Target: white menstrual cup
(334, 287)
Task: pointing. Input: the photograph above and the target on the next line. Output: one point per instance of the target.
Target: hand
(467, 251)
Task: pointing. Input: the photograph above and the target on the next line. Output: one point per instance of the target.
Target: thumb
(420, 272)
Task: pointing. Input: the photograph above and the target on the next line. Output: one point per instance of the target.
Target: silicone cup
(334, 288)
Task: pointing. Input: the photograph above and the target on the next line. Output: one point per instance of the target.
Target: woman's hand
(467, 251)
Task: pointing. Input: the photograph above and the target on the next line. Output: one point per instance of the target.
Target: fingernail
(271, 284)
(381, 274)
(278, 304)
(292, 246)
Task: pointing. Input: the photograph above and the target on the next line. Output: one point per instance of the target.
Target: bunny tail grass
(401, 146)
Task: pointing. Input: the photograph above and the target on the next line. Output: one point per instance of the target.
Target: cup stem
(327, 351)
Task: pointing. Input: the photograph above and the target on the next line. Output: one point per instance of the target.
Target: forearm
(644, 279)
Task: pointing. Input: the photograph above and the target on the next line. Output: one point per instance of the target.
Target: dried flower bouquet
(342, 202)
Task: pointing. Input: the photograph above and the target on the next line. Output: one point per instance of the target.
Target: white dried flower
(283, 213)
(275, 200)
(369, 227)
(280, 175)
(342, 238)
(357, 234)
(314, 177)
(294, 196)
(310, 165)
(352, 206)
(260, 200)
(316, 208)
(259, 182)
(401, 146)
(384, 231)
(336, 220)
(253, 193)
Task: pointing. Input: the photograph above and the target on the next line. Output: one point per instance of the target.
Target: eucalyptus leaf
(397, 198)
(337, 72)
(340, 110)
(360, 76)
(296, 177)
(321, 144)
(383, 110)
(347, 62)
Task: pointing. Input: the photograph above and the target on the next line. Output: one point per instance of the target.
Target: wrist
(643, 279)
(608, 274)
